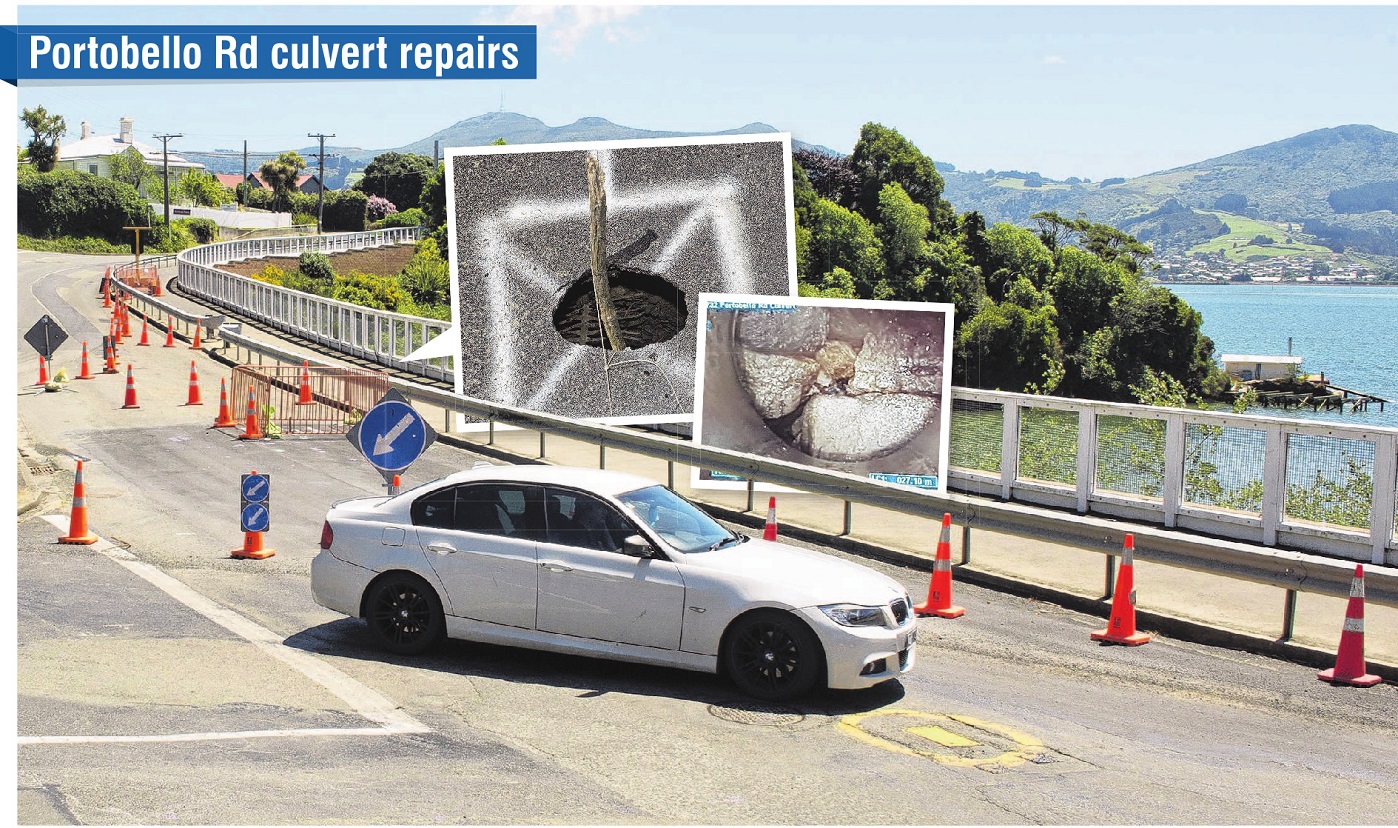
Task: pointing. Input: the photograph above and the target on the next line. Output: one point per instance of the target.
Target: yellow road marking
(1028, 746)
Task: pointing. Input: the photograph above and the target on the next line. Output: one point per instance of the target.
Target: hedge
(78, 204)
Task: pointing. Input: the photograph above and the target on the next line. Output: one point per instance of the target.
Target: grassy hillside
(1236, 245)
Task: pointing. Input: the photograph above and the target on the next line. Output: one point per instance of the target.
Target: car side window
(437, 510)
(576, 519)
(500, 509)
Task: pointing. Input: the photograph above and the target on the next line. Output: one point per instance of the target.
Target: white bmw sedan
(599, 563)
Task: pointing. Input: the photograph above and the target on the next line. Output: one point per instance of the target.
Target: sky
(1090, 91)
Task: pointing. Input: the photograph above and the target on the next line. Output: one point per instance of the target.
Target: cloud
(562, 28)
(1055, 60)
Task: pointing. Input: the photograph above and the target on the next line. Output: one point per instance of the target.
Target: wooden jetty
(1315, 394)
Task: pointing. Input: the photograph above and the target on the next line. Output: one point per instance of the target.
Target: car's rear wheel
(404, 613)
(771, 655)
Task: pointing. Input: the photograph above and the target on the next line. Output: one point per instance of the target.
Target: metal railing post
(1289, 615)
(1111, 576)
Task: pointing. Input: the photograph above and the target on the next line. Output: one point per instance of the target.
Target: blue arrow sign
(256, 488)
(392, 434)
(256, 518)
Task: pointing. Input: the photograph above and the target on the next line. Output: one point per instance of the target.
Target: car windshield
(679, 522)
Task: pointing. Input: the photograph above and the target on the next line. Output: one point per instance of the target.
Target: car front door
(480, 540)
(589, 588)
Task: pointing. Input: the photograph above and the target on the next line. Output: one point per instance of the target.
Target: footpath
(1210, 609)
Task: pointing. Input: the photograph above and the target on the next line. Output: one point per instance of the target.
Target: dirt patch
(380, 261)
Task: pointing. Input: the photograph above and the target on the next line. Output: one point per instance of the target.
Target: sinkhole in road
(649, 309)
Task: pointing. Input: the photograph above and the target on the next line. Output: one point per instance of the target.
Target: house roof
(229, 179)
(100, 146)
(300, 179)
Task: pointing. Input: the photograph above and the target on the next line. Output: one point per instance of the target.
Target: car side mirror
(637, 547)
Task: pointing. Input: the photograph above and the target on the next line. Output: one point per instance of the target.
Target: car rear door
(589, 588)
(480, 540)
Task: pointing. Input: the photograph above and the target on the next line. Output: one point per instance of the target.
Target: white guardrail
(380, 336)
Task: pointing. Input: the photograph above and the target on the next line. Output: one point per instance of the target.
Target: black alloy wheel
(772, 655)
(404, 614)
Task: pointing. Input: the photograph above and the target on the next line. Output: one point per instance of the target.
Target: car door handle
(441, 548)
(556, 567)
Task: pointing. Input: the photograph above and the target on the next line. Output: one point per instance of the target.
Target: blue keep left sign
(392, 434)
(256, 488)
(256, 518)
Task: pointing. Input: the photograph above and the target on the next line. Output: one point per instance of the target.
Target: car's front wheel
(772, 655)
(404, 613)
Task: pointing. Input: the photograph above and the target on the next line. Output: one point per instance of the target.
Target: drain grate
(40, 467)
(758, 713)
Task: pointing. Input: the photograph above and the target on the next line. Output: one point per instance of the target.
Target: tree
(203, 189)
(1013, 253)
(281, 175)
(1008, 347)
(843, 238)
(883, 156)
(129, 167)
(831, 176)
(398, 177)
(902, 229)
(47, 129)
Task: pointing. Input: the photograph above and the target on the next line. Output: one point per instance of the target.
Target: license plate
(910, 639)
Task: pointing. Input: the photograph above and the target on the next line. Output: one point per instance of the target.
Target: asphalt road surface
(162, 682)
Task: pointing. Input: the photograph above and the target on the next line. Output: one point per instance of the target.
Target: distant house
(1247, 367)
(232, 180)
(92, 154)
(305, 183)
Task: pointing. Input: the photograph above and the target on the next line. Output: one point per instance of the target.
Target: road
(162, 682)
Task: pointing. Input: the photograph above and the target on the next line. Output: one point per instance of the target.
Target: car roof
(602, 481)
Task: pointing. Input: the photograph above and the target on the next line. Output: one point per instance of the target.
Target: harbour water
(1349, 333)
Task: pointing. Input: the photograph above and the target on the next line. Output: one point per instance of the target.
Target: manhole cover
(758, 713)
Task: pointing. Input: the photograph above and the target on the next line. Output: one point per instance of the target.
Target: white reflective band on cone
(1354, 625)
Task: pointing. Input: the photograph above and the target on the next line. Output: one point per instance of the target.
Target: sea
(1348, 332)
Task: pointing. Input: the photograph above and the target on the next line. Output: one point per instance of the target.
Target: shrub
(316, 267)
(378, 208)
(71, 203)
(69, 244)
(411, 217)
(369, 290)
(344, 211)
(205, 230)
(170, 238)
(427, 279)
(303, 218)
(258, 197)
(271, 274)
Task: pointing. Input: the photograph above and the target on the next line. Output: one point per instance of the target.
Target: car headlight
(854, 615)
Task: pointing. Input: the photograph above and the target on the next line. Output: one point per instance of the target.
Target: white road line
(366, 701)
(205, 737)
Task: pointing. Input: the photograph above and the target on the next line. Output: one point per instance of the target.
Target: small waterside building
(1246, 367)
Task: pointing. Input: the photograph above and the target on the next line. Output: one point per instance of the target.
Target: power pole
(165, 148)
(320, 194)
(436, 152)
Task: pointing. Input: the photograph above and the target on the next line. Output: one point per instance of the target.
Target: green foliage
(882, 156)
(404, 218)
(281, 174)
(397, 177)
(837, 284)
(129, 167)
(427, 279)
(433, 198)
(344, 211)
(902, 229)
(1346, 501)
(271, 274)
(845, 239)
(369, 290)
(205, 231)
(1159, 388)
(170, 238)
(78, 204)
(203, 189)
(70, 244)
(303, 219)
(47, 129)
(316, 267)
(1013, 252)
(1008, 347)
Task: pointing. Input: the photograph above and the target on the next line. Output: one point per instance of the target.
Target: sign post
(255, 516)
(45, 337)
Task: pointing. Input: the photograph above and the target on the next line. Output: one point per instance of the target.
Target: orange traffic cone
(1121, 627)
(156, 290)
(252, 548)
(125, 319)
(194, 398)
(196, 344)
(170, 332)
(116, 327)
(225, 416)
(77, 523)
(145, 333)
(1350, 667)
(769, 531)
(251, 430)
(107, 292)
(43, 371)
(86, 371)
(938, 601)
(106, 283)
(130, 390)
(109, 354)
(306, 398)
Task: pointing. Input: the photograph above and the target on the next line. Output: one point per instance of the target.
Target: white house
(1255, 367)
(92, 154)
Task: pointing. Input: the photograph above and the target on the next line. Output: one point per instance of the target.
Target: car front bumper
(857, 657)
